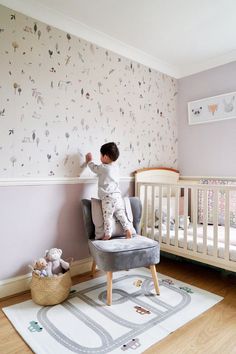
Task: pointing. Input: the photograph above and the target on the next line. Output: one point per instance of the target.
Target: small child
(108, 189)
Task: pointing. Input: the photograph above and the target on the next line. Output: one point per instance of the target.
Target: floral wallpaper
(61, 96)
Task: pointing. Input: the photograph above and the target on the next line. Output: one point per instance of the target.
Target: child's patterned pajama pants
(113, 204)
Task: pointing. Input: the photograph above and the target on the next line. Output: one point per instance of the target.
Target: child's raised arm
(94, 168)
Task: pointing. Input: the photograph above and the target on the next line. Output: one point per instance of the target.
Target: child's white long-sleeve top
(108, 178)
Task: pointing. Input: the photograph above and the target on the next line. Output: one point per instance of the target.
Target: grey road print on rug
(107, 342)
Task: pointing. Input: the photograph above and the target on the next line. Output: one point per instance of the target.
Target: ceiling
(177, 37)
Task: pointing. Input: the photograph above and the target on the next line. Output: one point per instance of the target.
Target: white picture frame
(212, 109)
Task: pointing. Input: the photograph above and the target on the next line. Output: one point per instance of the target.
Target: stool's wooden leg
(93, 270)
(109, 288)
(155, 279)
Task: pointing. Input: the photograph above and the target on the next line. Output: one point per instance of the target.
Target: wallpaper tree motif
(61, 96)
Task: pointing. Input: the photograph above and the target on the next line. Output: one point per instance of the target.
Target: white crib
(171, 216)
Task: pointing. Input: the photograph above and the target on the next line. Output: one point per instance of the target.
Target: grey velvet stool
(120, 253)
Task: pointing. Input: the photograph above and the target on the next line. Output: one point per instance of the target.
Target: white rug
(136, 320)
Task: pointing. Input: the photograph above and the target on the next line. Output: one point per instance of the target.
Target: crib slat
(140, 190)
(145, 210)
(185, 217)
(177, 193)
(137, 190)
(205, 219)
(160, 214)
(153, 213)
(168, 194)
(195, 209)
(227, 225)
(215, 223)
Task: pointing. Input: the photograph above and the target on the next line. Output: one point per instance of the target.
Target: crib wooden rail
(209, 241)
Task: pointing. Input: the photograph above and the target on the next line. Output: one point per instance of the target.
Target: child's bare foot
(106, 237)
(128, 233)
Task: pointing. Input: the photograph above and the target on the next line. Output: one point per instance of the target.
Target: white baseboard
(81, 267)
(21, 283)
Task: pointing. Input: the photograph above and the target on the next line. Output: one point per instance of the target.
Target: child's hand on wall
(88, 157)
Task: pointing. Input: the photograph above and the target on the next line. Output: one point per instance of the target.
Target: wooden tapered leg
(93, 270)
(109, 288)
(155, 279)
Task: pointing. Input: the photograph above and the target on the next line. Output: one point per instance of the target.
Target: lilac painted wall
(36, 218)
(207, 149)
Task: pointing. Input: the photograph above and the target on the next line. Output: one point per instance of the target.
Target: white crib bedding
(210, 232)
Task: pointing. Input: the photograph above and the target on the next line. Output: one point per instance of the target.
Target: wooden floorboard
(212, 332)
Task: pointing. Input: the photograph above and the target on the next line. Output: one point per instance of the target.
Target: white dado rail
(46, 181)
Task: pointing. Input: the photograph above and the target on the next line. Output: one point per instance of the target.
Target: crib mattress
(210, 233)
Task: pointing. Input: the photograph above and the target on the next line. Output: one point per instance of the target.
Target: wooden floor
(212, 332)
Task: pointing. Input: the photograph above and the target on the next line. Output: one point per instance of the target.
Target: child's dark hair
(111, 150)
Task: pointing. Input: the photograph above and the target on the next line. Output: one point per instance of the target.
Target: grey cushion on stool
(120, 253)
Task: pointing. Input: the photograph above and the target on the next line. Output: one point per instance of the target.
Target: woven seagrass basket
(50, 290)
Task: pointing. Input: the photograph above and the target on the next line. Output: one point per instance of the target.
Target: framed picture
(212, 109)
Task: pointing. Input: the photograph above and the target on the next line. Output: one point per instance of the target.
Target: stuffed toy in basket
(55, 286)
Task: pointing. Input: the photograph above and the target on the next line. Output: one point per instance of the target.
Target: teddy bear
(40, 267)
(56, 265)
